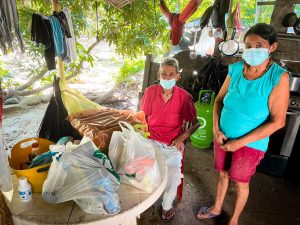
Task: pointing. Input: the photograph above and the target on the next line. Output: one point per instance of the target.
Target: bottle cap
(23, 181)
(35, 145)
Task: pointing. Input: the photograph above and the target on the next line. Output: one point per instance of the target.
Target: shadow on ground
(272, 201)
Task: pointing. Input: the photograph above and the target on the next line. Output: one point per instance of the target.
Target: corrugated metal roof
(119, 3)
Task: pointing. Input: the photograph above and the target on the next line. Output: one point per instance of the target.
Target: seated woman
(167, 107)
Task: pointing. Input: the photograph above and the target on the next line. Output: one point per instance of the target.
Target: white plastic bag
(133, 156)
(206, 44)
(85, 175)
(5, 177)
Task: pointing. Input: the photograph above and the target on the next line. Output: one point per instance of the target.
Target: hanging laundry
(41, 33)
(237, 18)
(70, 42)
(9, 26)
(177, 21)
(61, 16)
(234, 21)
(58, 36)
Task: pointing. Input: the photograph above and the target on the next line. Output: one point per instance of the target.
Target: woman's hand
(220, 137)
(232, 145)
(178, 143)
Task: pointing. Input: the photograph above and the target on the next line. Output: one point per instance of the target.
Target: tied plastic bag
(206, 44)
(5, 177)
(133, 156)
(85, 175)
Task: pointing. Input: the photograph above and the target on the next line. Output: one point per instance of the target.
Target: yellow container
(20, 154)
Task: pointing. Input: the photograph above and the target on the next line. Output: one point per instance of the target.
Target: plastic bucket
(20, 154)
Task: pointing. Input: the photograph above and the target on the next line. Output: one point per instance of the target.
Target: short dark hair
(265, 31)
(170, 62)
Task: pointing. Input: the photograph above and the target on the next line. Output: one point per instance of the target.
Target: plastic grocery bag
(5, 177)
(85, 175)
(133, 157)
(206, 44)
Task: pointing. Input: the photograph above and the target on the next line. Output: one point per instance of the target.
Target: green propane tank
(203, 137)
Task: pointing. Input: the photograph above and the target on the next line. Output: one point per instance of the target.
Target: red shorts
(241, 164)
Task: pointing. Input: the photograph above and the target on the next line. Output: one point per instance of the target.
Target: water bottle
(109, 198)
(24, 188)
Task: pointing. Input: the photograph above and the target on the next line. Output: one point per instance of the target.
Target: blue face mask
(255, 56)
(167, 84)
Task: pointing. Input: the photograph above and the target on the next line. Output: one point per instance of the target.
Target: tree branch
(21, 92)
(33, 80)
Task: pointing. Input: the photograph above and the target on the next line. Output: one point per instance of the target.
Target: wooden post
(60, 64)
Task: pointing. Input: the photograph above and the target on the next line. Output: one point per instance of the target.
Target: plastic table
(38, 211)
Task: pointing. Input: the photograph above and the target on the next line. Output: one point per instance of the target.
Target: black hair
(265, 31)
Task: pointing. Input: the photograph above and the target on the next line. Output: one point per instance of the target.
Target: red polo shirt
(165, 119)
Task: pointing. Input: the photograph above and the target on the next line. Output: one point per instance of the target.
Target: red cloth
(165, 120)
(177, 21)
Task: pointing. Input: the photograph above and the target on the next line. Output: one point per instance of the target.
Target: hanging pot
(295, 83)
(230, 47)
(289, 19)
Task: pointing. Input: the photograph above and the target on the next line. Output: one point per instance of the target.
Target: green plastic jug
(203, 136)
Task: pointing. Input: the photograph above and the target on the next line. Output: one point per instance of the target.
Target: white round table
(37, 211)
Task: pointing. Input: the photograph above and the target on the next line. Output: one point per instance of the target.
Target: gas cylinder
(203, 136)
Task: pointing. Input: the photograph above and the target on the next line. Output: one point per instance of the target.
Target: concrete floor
(272, 201)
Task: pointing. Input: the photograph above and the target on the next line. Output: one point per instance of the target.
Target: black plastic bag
(54, 124)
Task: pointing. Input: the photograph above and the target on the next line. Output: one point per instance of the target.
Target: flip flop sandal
(204, 210)
(170, 218)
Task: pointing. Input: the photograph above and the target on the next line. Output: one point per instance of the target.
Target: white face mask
(255, 56)
(167, 84)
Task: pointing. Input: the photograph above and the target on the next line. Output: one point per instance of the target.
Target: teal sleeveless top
(245, 106)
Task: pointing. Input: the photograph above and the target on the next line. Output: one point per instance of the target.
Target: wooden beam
(276, 3)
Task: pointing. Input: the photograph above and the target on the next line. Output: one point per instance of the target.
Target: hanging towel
(61, 16)
(237, 18)
(58, 36)
(70, 42)
(177, 21)
(41, 33)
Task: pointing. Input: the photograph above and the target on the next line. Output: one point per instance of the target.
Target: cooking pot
(295, 83)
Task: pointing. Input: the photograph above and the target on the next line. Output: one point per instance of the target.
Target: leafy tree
(136, 29)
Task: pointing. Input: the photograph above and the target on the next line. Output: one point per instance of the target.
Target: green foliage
(5, 77)
(83, 54)
(3, 72)
(137, 29)
(129, 69)
(48, 79)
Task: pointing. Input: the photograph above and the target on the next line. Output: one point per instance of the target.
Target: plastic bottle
(24, 188)
(35, 147)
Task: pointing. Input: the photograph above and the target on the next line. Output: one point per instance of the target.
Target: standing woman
(250, 106)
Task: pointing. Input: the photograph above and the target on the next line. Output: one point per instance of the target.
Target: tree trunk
(5, 215)
(20, 91)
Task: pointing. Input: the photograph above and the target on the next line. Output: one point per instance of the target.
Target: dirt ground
(272, 201)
